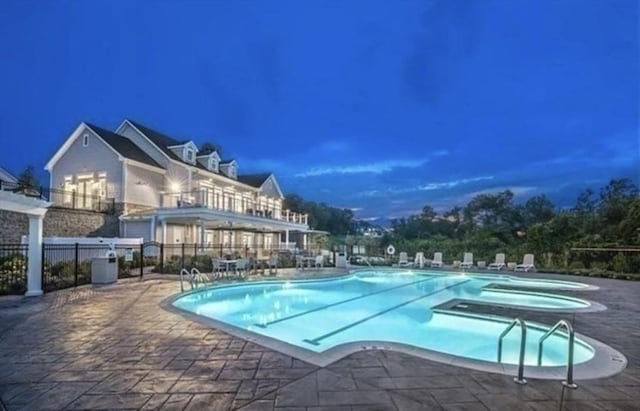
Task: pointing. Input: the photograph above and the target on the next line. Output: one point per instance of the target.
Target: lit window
(85, 140)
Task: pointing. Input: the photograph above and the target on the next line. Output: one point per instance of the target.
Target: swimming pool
(395, 307)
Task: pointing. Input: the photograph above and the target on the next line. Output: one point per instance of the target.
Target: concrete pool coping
(606, 361)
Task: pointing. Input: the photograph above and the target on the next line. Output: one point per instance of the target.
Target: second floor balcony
(73, 199)
(239, 204)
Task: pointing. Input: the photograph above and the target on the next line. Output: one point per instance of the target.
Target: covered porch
(214, 230)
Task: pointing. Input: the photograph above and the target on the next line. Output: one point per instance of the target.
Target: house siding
(143, 186)
(269, 189)
(96, 157)
(137, 229)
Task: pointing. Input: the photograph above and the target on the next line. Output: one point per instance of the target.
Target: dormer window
(189, 155)
(229, 168)
(213, 164)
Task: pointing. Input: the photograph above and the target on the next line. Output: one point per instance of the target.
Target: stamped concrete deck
(115, 348)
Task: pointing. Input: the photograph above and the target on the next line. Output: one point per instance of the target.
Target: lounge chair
(319, 261)
(498, 264)
(437, 260)
(300, 262)
(419, 260)
(467, 261)
(403, 259)
(527, 264)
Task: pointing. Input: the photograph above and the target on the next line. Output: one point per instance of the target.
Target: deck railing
(62, 198)
(197, 199)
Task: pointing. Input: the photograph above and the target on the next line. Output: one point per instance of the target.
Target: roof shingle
(254, 180)
(125, 147)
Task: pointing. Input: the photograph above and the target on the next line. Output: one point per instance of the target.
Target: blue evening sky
(379, 106)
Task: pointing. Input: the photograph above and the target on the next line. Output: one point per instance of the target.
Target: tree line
(492, 223)
(336, 221)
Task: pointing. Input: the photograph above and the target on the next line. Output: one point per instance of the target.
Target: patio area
(114, 347)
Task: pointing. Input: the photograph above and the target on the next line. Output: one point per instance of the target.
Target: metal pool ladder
(192, 277)
(569, 382)
(523, 343)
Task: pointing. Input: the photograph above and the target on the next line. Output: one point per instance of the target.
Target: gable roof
(161, 140)
(125, 147)
(7, 176)
(208, 152)
(254, 180)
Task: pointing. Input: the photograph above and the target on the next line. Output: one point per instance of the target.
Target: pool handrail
(571, 338)
(184, 272)
(192, 277)
(523, 343)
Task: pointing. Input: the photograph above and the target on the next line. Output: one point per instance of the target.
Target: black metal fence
(13, 268)
(63, 198)
(69, 265)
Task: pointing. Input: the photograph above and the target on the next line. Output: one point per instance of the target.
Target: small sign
(128, 254)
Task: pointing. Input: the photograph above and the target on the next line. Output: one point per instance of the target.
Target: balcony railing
(62, 198)
(246, 207)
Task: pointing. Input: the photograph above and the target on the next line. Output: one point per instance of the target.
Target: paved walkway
(115, 348)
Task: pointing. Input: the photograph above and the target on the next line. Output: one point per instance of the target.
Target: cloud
(373, 168)
(424, 187)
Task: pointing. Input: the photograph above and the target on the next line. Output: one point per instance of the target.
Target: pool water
(393, 306)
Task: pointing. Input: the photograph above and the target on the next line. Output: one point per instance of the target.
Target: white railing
(197, 199)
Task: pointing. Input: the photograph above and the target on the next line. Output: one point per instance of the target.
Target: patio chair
(498, 264)
(467, 261)
(300, 262)
(419, 260)
(273, 264)
(437, 260)
(217, 270)
(241, 267)
(319, 261)
(527, 264)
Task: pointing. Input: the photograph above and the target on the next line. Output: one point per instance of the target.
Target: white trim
(211, 154)
(124, 182)
(72, 138)
(184, 145)
(143, 135)
(275, 183)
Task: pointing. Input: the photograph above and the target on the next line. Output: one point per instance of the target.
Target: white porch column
(202, 233)
(194, 234)
(286, 238)
(152, 234)
(34, 273)
(304, 241)
(164, 231)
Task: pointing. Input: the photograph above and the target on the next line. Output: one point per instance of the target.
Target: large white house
(169, 191)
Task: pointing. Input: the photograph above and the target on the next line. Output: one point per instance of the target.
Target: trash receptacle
(104, 270)
(341, 259)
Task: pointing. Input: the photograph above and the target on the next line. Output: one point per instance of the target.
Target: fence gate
(152, 257)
